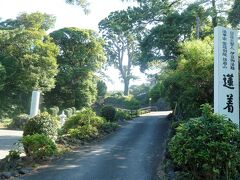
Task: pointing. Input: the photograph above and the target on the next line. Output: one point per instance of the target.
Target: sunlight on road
(158, 113)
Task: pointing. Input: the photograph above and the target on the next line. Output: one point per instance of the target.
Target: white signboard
(34, 103)
(226, 89)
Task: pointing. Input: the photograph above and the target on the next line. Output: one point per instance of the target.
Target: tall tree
(81, 54)
(162, 41)
(119, 39)
(27, 60)
(234, 14)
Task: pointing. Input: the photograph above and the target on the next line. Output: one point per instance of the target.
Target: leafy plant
(43, 123)
(38, 146)
(82, 118)
(108, 127)
(121, 115)
(109, 113)
(208, 147)
(86, 132)
(54, 110)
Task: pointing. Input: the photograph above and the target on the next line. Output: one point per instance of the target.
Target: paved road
(132, 153)
(7, 139)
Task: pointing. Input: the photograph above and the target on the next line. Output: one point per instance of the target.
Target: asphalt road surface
(7, 140)
(131, 153)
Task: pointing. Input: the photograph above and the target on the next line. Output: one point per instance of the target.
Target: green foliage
(207, 147)
(38, 146)
(124, 102)
(19, 122)
(85, 133)
(108, 127)
(109, 113)
(13, 154)
(190, 83)
(86, 126)
(101, 88)
(27, 61)
(119, 39)
(121, 115)
(44, 124)
(85, 117)
(234, 14)
(68, 112)
(81, 55)
(140, 92)
(53, 110)
(155, 92)
(132, 104)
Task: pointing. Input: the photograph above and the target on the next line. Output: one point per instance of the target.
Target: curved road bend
(132, 153)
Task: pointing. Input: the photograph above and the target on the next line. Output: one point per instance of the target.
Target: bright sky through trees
(71, 16)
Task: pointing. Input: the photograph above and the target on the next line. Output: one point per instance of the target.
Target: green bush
(74, 110)
(109, 113)
(121, 115)
(132, 104)
(38, 146)
(82, 118)
(43, 123)
(108, 127)
(207, 147)
(85, 133)
(68, 112)
(19, 122)
(54, 110)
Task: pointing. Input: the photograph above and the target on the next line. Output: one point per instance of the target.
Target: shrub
(38, 146)
(108, 127)
(74, 110)
(43, 123)
(109, 113)
(82, 118)
(68, 112)
(54, 110)
(84, 133)
(19, 122)
(120, 115)
(208, 147)
(132, 104)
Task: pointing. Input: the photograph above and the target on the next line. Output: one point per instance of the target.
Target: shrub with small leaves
(54, 110)
(38, 146)
(43, 123)
(68, 112)
(122, 115)
(108, 127)
(109, 113)
(84, 133)
(208, 147)
(82, 118)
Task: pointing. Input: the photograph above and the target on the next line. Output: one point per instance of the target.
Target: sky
(73, 16)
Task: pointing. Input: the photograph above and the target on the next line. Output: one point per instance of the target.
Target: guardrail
(135, 113)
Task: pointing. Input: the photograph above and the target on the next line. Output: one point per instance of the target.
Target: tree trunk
(126, 87)
(214, 16)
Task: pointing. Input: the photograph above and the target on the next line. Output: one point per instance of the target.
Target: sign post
(34, 103)
(226, 88)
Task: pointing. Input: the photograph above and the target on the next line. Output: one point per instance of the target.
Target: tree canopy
(27, 60)
(81, 54)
